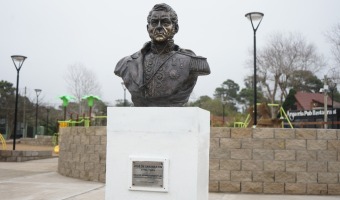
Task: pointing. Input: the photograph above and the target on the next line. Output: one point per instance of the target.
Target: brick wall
(275, 161)
(261, 160)
(40, 140)
(82, 153)
(21, 156)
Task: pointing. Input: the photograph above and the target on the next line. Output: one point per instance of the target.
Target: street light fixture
(37, 91)
(255, 17)
(124, 88)
(17, 61)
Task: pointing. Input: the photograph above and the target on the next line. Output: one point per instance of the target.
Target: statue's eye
(166, 22)
(154, 22)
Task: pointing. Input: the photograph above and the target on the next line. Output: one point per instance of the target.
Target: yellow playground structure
(265, 119)
(3, 142)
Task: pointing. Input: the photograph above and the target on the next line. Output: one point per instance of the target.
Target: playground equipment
(265, 119)
(66, 99)
(3, 142)
(90, 101)
(56, 149)
(83, 121)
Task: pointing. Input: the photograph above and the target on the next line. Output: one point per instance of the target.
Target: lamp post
(124, 88)
(224, 102)
(17, 61)
(332, 86)
(47, 113)
(255, 17)
(37, 92)
(325, 103)
(334, 80)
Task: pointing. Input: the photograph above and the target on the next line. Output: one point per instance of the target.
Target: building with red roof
(309, 112)
(312, 101)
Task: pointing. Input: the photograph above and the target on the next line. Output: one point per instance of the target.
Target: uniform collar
(149, 47)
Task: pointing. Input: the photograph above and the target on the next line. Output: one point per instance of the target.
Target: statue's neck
(162, 48)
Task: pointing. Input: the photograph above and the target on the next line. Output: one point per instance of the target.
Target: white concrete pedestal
(178, 136)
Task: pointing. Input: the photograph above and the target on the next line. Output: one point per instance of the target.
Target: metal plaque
(149, 174)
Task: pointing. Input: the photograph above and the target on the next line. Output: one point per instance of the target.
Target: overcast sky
(55, 34)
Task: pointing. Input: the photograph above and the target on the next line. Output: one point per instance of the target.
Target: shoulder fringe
(199, 65)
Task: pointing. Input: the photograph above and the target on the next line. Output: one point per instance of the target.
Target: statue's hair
(166, 8)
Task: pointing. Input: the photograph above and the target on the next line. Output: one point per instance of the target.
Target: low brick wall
(82, 152)
(21, 156)
(275, 161)
(41, 140)
(261, 160)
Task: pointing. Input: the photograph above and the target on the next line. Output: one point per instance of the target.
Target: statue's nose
(159, 26)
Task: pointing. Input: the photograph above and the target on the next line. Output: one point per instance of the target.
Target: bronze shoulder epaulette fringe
(199, 65)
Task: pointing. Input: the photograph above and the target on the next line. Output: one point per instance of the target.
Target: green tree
(289, 103)
(228, 92)
(304, 80)
(246, 94)
(208, 103)
(228, 88)
(6, 89)
(7, 109)
(7, 100)
(202, 100)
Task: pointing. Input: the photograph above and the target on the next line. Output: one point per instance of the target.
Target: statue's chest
(164, 74)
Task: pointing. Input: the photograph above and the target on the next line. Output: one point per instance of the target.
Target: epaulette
(186, 52)
(199, 65)
(135, 55)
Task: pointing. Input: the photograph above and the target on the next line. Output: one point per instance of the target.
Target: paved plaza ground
(38, 179)
(26, 147)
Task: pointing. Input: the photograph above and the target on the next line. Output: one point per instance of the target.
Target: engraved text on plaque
(147, 174)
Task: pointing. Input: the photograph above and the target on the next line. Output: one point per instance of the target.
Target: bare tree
(281, 58)
(333, 37)
(81, 81)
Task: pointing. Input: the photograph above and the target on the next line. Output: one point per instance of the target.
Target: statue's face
(160, 27)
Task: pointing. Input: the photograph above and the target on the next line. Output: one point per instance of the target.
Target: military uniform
(165, 79)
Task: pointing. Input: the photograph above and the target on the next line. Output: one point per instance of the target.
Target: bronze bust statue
(161, 73)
